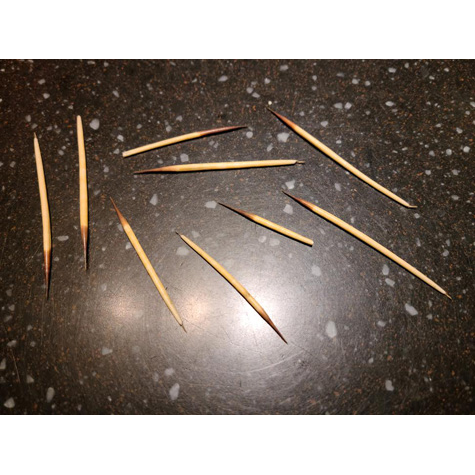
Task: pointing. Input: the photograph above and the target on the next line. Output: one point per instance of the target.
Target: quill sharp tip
(280, 334)
(114, 205)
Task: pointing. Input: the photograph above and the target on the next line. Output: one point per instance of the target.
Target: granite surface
(364, 335)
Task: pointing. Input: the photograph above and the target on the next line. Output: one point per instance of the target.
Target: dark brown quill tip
(84, 236)
(119, 214)
(282, 118)
(47, 256)
(302, 202)
(278, 333)
(142, 172)
(238, 211)
(221, 130)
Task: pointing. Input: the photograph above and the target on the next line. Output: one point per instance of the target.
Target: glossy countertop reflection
(364, 336)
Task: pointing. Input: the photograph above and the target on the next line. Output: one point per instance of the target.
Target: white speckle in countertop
(29, 379)
(182, 251)
(116, 93)
(337, 187)
(223, 78)
(348, 105)
(50, 394)
(3, 364)
(338, 105)
(106, 351)
(330, 329)
(154, 200)
(410, 309)
(288, 209)
(290, 184)
(389, 385)
(390, 282)
(249, 135)
(283, 137)
(390, 103)
(274, 242)
(381, 324)
(46, 95)
(211, 204)
(262, 239)
(174, 391)
(448, 152)
(284, 67)
(316, 271)
(94, 124)
(392, 70)
(169, 372)
(385, 270)
(9, 403)
(184, 157)
(324, 123)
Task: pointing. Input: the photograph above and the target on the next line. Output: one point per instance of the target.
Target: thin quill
(367, 240)
(270, 225)
(197, 167)
(237, 285)
(148, 266)
(44, 213)
(83, 201)
(334, 156)
(180, 138)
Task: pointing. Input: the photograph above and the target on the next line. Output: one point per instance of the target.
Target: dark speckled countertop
(364, 335)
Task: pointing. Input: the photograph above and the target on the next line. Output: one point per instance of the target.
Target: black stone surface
(105, 342)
